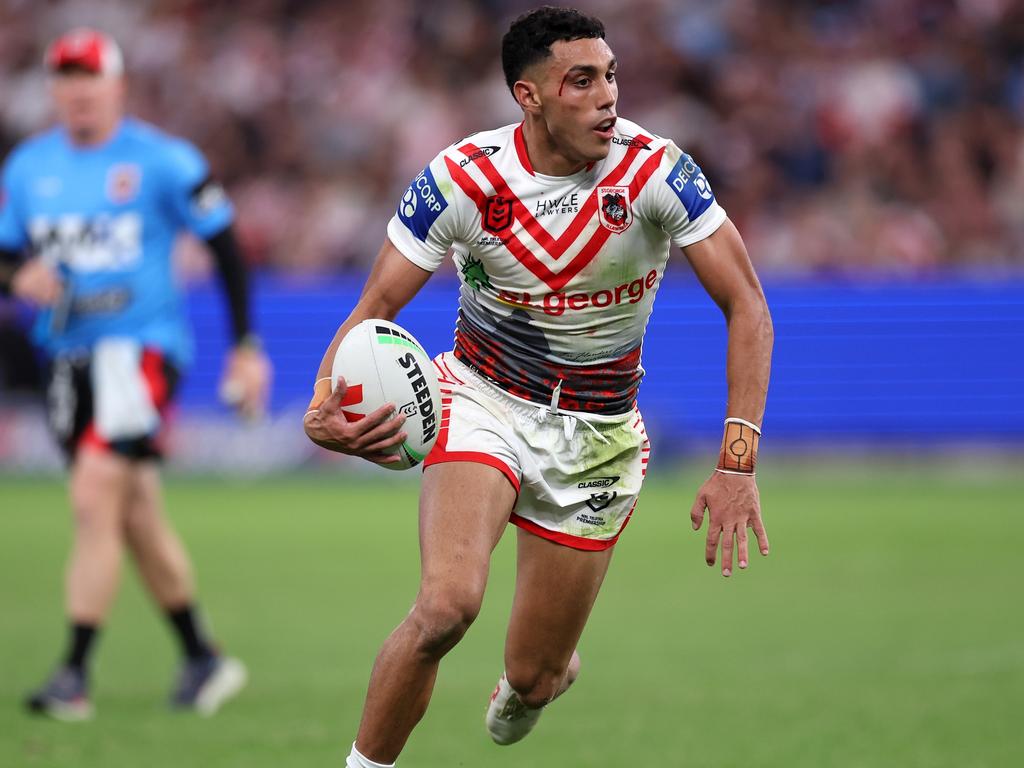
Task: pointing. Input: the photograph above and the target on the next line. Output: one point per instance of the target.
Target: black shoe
(205, 684)
(64, 697)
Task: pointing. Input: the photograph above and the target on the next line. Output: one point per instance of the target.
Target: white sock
(357, 759)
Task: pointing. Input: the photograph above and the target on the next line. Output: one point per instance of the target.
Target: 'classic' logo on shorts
(599, 482)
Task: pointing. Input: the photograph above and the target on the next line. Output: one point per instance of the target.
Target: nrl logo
(616, 213)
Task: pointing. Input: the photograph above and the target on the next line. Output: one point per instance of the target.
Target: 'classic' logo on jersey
(497, 214)
(482, 152)
(691, 186)
(123, 181)
(631, 141)
(421, 204)
(616, 212)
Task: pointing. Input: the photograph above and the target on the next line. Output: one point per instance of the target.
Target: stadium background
(871, 153)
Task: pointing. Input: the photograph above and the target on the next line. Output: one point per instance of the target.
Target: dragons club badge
(615, 211)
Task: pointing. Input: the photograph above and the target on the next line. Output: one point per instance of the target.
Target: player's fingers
(711, 546)
(382, 415)
(761, 535)
(697, 511)
(388, 430)
(333, 401)
(382, 446)
(727, 547)
(741, 545)
(383, 458)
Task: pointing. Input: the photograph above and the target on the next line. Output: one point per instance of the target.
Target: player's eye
(583, 82)
(610, 77)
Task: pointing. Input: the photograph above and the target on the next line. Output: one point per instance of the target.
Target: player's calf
(520, 697)
(538, 684)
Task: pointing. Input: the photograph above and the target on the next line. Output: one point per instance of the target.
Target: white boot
(508, 719)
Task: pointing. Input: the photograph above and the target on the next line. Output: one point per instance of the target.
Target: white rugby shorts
(577, 476)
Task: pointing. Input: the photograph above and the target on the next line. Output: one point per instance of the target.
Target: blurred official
(89, 212)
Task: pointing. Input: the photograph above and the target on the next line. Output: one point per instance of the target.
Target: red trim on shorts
(153, 373)
(91, 439)
(565, 539)
(473, 457)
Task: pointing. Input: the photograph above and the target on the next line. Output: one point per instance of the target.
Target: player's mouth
(606, 129)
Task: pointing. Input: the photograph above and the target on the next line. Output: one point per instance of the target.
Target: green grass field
(885, 630)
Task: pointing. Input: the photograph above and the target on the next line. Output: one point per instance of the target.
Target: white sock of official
(357, 759)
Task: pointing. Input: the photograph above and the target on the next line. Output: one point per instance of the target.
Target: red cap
(86, 49)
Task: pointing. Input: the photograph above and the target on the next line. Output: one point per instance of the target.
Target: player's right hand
(373, 437)
(37, 283)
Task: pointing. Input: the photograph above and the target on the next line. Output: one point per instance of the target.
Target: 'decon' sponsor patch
(421, 204)
(691, 186)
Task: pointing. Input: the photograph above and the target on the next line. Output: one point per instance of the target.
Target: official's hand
(373, 437)
(37, 283)
(734, 505)
(245, 384)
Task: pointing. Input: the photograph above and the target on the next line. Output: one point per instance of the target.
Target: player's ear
(527, 94)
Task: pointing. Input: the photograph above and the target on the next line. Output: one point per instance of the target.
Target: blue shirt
(107, 218)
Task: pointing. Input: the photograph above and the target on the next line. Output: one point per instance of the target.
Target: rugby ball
(382, 363)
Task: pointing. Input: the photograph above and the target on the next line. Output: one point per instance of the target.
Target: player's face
(578, 95)
(88, 105)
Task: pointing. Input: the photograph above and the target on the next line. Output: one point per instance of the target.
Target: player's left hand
(734, 505)
(245, 384)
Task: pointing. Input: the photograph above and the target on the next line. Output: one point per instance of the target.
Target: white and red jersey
(558, 273)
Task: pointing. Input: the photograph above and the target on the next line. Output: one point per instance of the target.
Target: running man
(561, 227)
(96, 204)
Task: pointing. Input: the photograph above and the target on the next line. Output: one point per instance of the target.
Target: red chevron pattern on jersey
(554, 247)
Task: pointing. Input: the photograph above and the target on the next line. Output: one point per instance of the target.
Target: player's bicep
(393, 282)
(723, 267)
(198, 200)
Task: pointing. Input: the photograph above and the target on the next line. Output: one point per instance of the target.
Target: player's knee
(536, 685)
(441, 620)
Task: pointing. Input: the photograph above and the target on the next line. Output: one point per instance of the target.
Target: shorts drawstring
(569, 420)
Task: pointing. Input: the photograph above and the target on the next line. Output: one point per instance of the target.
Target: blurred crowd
(840, 136)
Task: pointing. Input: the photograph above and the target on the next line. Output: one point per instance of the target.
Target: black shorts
(71, 405)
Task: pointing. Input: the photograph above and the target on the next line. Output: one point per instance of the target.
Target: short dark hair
(531, 36)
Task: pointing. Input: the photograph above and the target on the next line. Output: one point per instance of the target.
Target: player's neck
(545, 155)
(93, 136)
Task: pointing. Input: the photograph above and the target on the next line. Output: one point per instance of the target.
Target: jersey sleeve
(197, 199)
(684, 205)
(426, 222)
(13, 234)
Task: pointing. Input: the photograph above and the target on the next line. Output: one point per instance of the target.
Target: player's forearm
(235, 280)
(749, 359)
(373, 305)
(392, 283)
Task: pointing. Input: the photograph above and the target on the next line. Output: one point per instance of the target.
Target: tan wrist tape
(321, 391)
(740, 442)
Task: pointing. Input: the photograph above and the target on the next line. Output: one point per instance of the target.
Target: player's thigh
(464, 507)
(99, 488)
(556, 587)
